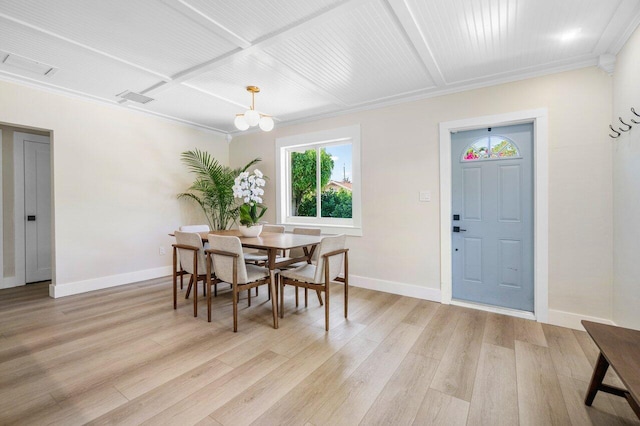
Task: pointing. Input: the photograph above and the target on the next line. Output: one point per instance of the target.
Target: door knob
(458, 229)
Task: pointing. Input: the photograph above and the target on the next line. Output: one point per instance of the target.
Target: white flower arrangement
(248, 187)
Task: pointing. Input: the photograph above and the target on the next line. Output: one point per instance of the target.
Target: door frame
(2, 284)
(539, 119)
(18, 187)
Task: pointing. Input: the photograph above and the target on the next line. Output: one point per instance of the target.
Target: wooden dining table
(273, 243)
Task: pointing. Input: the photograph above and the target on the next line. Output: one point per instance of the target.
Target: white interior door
(37, 210)
(492, 206)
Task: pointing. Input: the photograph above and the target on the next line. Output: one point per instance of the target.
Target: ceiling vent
(135, 97)
(26, 64)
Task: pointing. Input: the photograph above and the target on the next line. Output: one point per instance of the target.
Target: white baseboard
(571, 320)
(556, 317)
(9, 282)
(401, 289)
(61, 290)
(495, 309)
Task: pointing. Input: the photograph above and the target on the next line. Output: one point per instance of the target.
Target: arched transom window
(490, 148)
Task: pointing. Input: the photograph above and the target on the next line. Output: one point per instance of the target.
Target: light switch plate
(425, 196)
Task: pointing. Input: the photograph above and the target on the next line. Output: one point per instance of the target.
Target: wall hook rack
(628, 125)
(615, 131)
(636, 114)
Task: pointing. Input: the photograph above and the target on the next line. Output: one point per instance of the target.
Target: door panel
(472, 193)
(37, 203)
(509, 201)
(510, 263)
(472, 259)
(492, 254)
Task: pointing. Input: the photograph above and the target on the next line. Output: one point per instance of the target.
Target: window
(318, 180)
(490, 148)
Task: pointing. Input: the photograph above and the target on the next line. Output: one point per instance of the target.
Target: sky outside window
(341, 155)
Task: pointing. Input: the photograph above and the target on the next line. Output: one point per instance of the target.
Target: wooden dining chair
(195, 228)
(191, 250)
(260, 257)
(190, 228)
(226, 258)
(332, 254)
(299, 252)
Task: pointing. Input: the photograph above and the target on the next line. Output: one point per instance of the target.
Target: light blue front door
(492, 206)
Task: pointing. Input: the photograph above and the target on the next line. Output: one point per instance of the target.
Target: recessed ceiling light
(570, 35)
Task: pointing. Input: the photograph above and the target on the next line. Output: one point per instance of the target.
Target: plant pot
(250, 231)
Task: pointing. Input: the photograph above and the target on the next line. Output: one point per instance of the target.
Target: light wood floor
(124, 356)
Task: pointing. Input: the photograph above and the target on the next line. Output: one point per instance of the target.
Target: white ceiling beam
(199, 17)
(270, 39)
(407, 20)
(627, 16)
(214, 95)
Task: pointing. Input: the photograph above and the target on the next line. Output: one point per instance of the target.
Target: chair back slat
(223, 265)
(327, 245)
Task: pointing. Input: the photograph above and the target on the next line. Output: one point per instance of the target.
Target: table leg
(175, 284)
(596, 379)
(274, 289)
(274, 297)
(634, 405)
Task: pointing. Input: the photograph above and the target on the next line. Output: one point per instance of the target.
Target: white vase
(250, 231)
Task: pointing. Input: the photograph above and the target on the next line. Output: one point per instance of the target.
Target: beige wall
(116, 174)
(400, 154)
(626, 187)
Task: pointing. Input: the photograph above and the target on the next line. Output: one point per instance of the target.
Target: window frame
(488, 137)
(318, 140)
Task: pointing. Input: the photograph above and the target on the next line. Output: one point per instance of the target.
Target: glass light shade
(266, 124)
(241, 123)
(252, 117)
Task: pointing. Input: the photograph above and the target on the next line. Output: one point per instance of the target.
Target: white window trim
(347, 134)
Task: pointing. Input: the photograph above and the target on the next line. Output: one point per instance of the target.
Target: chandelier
(251, 117)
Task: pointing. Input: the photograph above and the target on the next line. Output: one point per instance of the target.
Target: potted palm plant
(213, 188)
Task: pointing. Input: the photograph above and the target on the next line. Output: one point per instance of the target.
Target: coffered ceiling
(311, 58)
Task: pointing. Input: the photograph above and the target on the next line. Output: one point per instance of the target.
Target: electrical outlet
(162, 251)
(425, 196)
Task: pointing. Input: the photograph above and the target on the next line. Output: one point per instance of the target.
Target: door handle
(458, 229)
(31, 218)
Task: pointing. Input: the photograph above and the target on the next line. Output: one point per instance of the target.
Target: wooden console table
(620, 348)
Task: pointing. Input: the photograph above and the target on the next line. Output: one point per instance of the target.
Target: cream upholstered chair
(189, 247)
(260, 257)
(331, 256)
(227, 260)
(299, 252)
(195, 228)
(191, 228)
